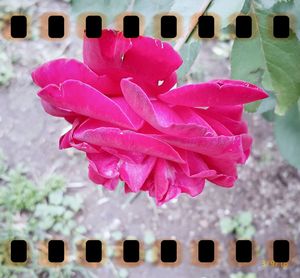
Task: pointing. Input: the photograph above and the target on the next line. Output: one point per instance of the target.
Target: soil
(267, 187)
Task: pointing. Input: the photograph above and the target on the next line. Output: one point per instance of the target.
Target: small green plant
(243, 275)
(6, 68)
(3, 166)
(240, 226)
(20, 193)
(57, 214)
(151, 252)
(37, 211)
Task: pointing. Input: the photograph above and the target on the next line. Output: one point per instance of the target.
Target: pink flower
(134, 127)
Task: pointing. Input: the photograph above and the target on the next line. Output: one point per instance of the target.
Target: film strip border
(204, 253)
(55, 26)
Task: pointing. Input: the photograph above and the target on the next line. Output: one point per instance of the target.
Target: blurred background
(45, 193)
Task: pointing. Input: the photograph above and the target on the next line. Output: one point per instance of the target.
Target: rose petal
(120, 57)
(234, 112)
(105, 164)
(55, 111)
(192, 186)
(60, 70)
(164, 176)
(218, 127)
(85, 100)
(127, 110)
(222, 123)
(195, 166)
(226, 171)
(159, 115)
(95, 177)
(214, 93)
(134, 175)
(92, 133)
(67, 140)
(107, 52)
(218, 146)
(127, 156)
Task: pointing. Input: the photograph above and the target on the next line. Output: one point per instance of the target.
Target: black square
(168, 251)
(93, 26)
(56, 251)
(206, 26)
(131, 26)
(206, 251)
(281, 251)
(243, 251)
(131, 251)
(243, 26)
(18, 26)
(18, 251)
(168, 27)
(56, 26)
(93, 251)
(281, 26)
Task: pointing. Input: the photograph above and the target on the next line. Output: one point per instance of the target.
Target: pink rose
(134, 127)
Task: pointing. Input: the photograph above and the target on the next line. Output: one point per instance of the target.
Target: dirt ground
(268, 187)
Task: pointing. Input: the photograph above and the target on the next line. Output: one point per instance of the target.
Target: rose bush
(135, 126)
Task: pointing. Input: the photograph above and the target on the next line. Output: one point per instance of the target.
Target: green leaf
(188, 52)
(243, 275)
(290, 7)
(225, 10)
(239, 231)
(40, 209)
(267, 107)
(73, 202)
(55, 198)
(149, 9)
(3, 165)
(252, 107)
(227, 225)
(6, 68)
(244, 218)
(107, 7)
(287, 133)
(269, 116)
(237, 275)
(267, 104)
(149, 237)
(187, 9)
(151, 256)
(250, 275)
(111, 9)
(246, 233)
(117, 235)
(46, 223)
(52, 184)
(69, 214)
(268, 4)
(123, 273)
(81, 230)
(296, 12)
(56, 210)
(58, 227)
(269, 62)
(109, 251)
